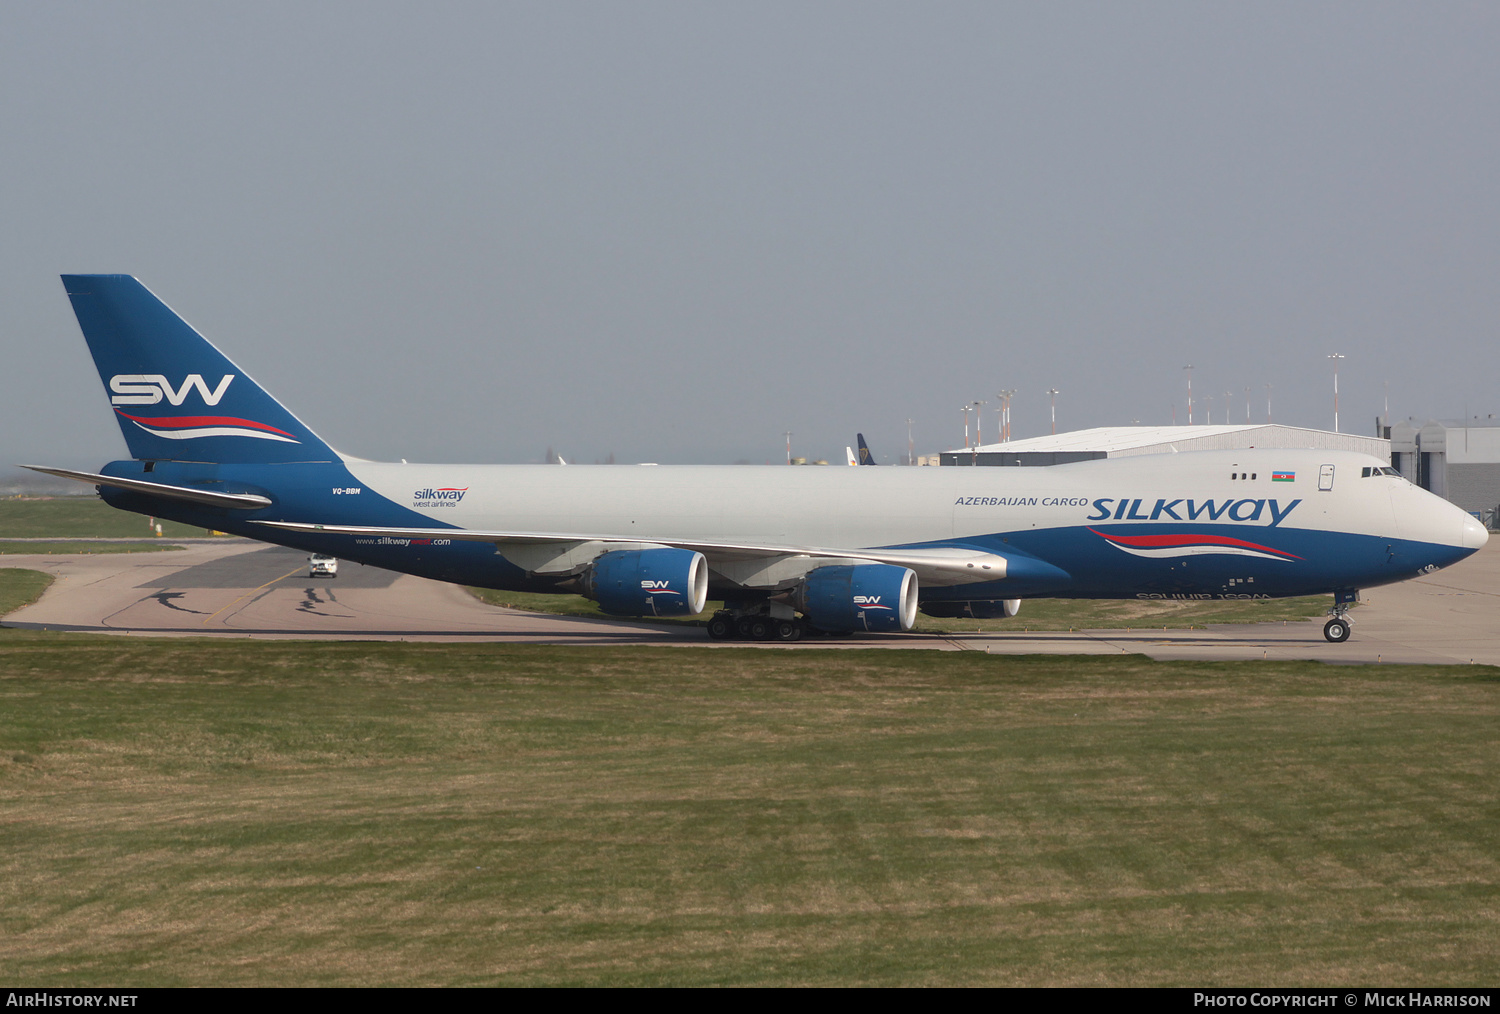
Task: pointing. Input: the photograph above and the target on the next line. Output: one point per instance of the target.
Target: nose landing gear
(1337, 629)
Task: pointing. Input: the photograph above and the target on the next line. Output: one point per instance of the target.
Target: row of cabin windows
(1365, 472)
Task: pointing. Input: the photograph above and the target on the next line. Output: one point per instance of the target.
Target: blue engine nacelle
(866, 596)
(649, 582)
(974, 609)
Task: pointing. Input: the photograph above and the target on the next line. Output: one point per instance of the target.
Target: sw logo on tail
(141, 389)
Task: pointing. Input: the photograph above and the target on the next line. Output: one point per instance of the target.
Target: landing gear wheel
(721, 627)
(761, 629)
(742, 628)
(788, 630)
(1336, 630)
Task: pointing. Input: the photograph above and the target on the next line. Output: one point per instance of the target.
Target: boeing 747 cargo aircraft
(789, 550)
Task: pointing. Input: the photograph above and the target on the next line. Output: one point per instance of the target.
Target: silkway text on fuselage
(1247, 510)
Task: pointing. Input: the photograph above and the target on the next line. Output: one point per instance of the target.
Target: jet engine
(866, 596)
(648, 582)
(975, 609)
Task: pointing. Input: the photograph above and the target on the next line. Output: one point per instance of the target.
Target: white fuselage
(867, 507)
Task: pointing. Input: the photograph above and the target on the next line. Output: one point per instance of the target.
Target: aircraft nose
(1474, 536)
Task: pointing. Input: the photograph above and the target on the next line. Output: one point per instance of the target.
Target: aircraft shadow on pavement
(263, 566)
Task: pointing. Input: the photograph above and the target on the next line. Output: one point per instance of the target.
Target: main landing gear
(726, 626)
(1337, 629)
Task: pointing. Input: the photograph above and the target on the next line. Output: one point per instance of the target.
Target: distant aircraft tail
(175, 396)
(865, 457)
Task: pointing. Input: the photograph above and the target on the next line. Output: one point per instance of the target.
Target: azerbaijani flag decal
(1164, 547)
(1283, 476)
(186, 427)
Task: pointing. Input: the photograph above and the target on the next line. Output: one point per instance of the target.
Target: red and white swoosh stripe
(1163, 547)
(188, 427)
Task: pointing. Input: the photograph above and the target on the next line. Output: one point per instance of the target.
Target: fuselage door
(1325, 477)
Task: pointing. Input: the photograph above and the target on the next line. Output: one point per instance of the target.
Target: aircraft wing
(934, 567)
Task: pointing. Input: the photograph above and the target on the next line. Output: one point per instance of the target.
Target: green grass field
(26, 548)
(178, 812)
(76, 517)
(20, 588)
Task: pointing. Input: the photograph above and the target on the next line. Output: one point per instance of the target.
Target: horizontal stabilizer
(238, 501)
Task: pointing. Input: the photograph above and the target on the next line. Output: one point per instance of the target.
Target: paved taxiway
(233, 587)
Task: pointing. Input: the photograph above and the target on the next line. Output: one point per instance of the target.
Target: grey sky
(674, 231)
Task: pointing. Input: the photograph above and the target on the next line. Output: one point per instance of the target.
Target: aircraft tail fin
(174, 395)
(865, 457)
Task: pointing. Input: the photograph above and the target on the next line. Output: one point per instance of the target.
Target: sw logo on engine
(656, 585)
(150, 388)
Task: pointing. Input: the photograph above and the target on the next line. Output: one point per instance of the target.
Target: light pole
(909, 460)
(1247, 404)
(788, 447)
(1189, 368)
(979, 425)
(966, 427)
(1268, 404)
(1208, 410)
(1054, 392)
(1336, 357)
(1005, 419)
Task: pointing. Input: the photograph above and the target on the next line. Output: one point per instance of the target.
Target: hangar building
(1458, 460)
